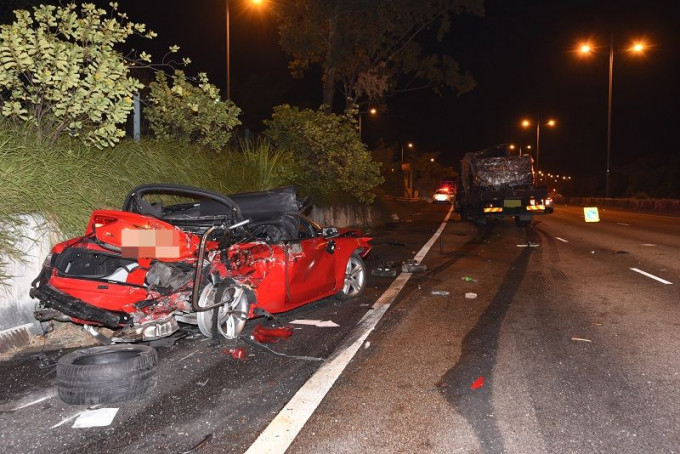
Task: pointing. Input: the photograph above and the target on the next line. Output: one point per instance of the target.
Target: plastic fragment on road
(101, 417)
(470, 295)
(236, 353)
(440, 293)
(591, 214)
(317, 323)
(468, 279)
(411, 266)
(580, 339)
(271, 335)
(477, 383)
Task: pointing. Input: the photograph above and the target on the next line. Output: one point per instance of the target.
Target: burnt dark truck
(495, 184)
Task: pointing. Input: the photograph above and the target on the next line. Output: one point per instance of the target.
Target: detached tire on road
(107, 375)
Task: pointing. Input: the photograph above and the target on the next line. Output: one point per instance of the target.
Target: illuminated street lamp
(410, 145)
(586, 48)
(371, 111)
(254, 2)
(528, 123)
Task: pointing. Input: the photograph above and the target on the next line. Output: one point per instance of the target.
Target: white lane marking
(561, 239)
(283, 429)
(656, 278)
(35, 399)
(623, 224)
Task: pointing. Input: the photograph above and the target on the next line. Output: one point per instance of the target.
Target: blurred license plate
(512, 203)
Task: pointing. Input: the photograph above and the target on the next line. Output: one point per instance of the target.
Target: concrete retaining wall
(36, 237)
(346, 216)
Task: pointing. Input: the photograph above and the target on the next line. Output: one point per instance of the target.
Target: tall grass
(64, 183)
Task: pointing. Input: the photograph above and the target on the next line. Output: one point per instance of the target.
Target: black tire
(107, 375)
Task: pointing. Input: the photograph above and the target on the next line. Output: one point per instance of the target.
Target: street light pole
(538, 141)
(637, 47)
(609, 112)
(228, 56)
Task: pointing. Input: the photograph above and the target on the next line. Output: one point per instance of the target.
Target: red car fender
(346, 247)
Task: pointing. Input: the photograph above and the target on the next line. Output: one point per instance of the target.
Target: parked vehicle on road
(496, 184)
(182, 254)
(443, 195)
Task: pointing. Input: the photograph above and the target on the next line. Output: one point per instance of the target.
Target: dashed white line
(656, 278)
(561, 239)
(283, 429)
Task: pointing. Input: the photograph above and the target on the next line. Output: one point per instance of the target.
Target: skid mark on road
(478, 357)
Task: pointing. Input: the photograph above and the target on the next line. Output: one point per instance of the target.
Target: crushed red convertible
(182, 254)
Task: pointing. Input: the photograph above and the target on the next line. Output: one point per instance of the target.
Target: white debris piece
(317, 323)
(100, 417)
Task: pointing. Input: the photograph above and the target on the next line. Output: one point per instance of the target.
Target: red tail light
(100, 221)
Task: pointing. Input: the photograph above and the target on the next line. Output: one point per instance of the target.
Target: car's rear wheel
(228, 319)
(355, 278)
(107, 375)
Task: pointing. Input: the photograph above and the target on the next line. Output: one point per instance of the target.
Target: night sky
(520, 53)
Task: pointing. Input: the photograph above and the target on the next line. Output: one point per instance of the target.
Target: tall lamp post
(254, 2)
(406, 169)
(528, 123)
(586, 48)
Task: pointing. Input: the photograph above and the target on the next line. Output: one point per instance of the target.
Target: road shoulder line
(284, 428)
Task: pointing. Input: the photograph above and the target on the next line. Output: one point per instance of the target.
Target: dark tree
(370, 49)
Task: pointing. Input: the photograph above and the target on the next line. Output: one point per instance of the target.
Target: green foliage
(257, 166)
(187, 113)
(370, 47)
(67, 181)
(328, 150)
(61, 72)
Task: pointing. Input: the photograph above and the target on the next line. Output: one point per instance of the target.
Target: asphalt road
(574, 351)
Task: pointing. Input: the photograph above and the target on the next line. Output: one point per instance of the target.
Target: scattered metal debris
(385, 269)
(470, 295)
(580, 339)
(202, 383)
(411, 266)
(440, 293)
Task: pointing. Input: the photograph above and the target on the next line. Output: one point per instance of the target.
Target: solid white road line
(656, 278)
(283, 429)
(561, 239)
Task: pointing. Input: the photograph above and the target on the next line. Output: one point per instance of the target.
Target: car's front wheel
(355, 278)
(230, 317)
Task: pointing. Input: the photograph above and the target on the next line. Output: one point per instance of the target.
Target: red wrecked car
(182, 254)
